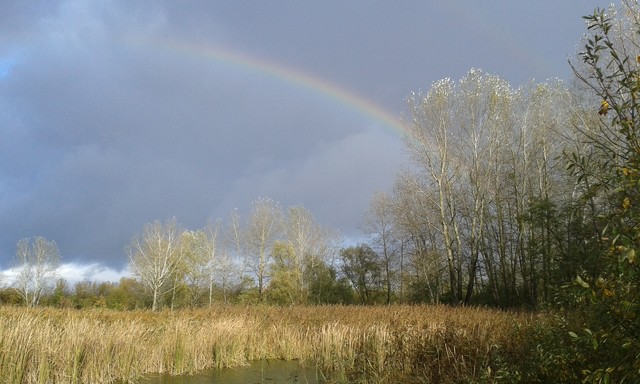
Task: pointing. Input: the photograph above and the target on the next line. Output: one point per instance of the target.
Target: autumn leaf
(581, 282)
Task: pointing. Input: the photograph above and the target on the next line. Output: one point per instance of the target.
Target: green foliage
(284, 287)
(326, 288)
(9, 296)
(247, 292)
(544, 353)
(361, 265)
(322, 285)
(609, 343)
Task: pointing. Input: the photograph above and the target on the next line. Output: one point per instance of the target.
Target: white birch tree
(263, 229)
(155, 256)
(486, 157)
(37, 261)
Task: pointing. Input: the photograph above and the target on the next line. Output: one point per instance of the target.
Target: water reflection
(260, 372)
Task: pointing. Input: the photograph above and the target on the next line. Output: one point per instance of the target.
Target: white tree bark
(37, 261)
(263, 229)
(155, 256)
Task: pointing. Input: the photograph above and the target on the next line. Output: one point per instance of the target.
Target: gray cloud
(105, 127)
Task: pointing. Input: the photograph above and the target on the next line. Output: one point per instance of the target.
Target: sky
(114, 114)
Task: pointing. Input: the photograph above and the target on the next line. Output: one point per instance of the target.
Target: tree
(486, 155)
(379, 225)
(128, 294)
(61, 294)
(216, 263)
(611, 70)
(325, 287)
(233, 259)
(263, 229)
(285, 284)
(155, 257)
(361, 265)
(430, 143)
(193, 266)
(419, 240)
(473, 111)
(224, 275)
(37, 261)
(310, 245)
(85, 294)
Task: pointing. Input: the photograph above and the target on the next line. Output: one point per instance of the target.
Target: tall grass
(350, 344)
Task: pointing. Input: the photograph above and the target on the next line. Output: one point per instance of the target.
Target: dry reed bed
(375, 344)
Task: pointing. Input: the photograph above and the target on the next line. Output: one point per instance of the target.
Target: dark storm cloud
(104, 127)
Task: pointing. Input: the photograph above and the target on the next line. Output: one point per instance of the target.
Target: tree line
(505, 201)
(488, 212)
(271, 256)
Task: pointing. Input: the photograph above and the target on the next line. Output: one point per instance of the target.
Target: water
(259, 372)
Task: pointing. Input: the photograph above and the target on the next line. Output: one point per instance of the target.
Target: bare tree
(36, 262)
(310, 243)
(432, 146)
(233, 258)
(219, 267)
(486, 155)
(263, 229)
(225, 272)
(415, 218)
(155, 256)
(379, 225)
(483, 112)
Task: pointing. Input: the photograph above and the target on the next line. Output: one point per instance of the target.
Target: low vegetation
(348, 344)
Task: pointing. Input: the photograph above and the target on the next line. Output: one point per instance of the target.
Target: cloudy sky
(117, 113)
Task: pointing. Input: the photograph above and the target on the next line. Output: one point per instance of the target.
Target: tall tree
(155, 257)
(36, 261)
(418, 234)
(458, 169)
(430, 143)
(361, 265)
(379, 225)
(311, 245)
(611, 70)
(285, 286)
(194, 265)
(486, 160)
(215, 261)
(263, 229)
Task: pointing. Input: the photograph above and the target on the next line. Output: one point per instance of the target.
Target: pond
(259, 372)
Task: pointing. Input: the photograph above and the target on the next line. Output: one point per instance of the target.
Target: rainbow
(292, 76)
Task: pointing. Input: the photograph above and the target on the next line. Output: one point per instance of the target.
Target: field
(422, 344)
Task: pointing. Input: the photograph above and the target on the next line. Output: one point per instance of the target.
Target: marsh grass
(347, 344)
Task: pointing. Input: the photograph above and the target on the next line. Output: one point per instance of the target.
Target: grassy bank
(354, 344)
